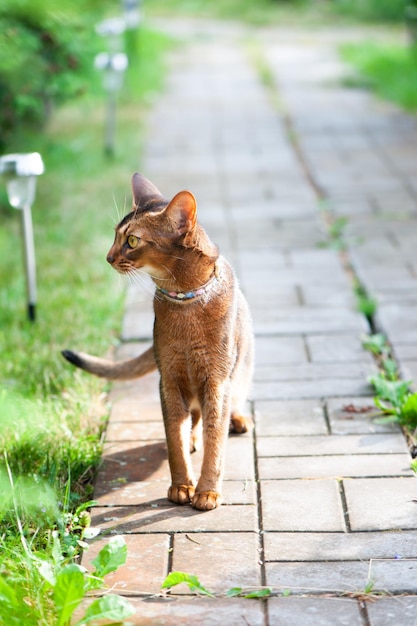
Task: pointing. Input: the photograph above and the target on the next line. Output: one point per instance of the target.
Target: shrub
(45, 55)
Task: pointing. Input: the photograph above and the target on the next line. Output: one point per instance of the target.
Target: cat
(203, 339)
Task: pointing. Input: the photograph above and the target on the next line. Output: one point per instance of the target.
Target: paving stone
(235, 555)
(314, 611)
(146, 387)
(327, 296)
(356, 546)
(392, 575)
(398, 320)
(295, 389)
(409, 372)
(280, 351)
(133, 408)
(339, 348)
(134, 431)
(162, 518)
(343, 465)
(122, 493)
(381, 503)
(294, 321)
(289, 417)
(352, 414)
(146, 564)
(188, 611)
(317, 577)
(320, 445)
(134, 461)
(301, 505)
(393, 611)
(147, 460)
(313, 371)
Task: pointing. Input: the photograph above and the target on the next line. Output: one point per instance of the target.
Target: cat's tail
(113, 370)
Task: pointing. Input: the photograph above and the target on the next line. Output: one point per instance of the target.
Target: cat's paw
(196, 442)
(206, 500)
(240, 424)
(181, 494)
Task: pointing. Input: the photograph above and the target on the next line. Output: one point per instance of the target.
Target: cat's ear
(182, 212)
(142, 187)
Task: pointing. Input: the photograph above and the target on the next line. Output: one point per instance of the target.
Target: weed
(366, 304)
(176, 578)
(395, 401)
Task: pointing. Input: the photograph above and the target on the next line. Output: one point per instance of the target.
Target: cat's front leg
(177, 422)
(215, 432)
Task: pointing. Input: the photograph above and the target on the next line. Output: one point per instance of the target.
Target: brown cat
(203, 341)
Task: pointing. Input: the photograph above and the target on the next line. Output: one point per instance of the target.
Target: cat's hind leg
(196, 441)
(240, 424)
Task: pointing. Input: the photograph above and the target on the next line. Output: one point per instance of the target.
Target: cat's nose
(110, 259)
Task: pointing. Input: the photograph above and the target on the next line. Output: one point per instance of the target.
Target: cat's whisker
(168, 270)
(118, 213)
(137, 278)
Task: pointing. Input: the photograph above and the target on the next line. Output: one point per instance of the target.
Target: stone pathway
(320, 501)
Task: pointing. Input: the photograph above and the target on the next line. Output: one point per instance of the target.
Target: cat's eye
(132, 241)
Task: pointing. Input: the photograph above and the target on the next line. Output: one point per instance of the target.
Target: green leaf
(408, 413)
(110, 607)
(377, 344)
(394, 391)
(259, 593)
(112, 556)
(390, 368)
(233, 592)
(176, 578)
(68, 592)
(255, 593)
(7, 594)
(388, 419)
(46, 570)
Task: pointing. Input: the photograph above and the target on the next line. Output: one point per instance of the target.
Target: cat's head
(150, 233)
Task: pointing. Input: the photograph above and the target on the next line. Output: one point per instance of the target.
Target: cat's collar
(185, 296)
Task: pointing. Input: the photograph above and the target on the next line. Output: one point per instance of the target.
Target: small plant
(176, 578)
(366, 304)
(397, 404)
(65, 584)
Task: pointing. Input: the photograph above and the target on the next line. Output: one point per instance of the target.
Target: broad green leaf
(68, 592)
(7, 594)
(176, 578)
(110, 607)
(389, 419)
(57, 555)
(233, 592)
(394, 391)
(91, 532)
(46, 570)
(112, 556)
(408, 412)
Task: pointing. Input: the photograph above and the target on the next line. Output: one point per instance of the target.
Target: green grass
(388, 69)
(284, 12)
(52, 416)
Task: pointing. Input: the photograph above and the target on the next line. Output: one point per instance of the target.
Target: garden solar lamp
(132, 13)
(113, 67)
(20, 172)
(112, 29)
